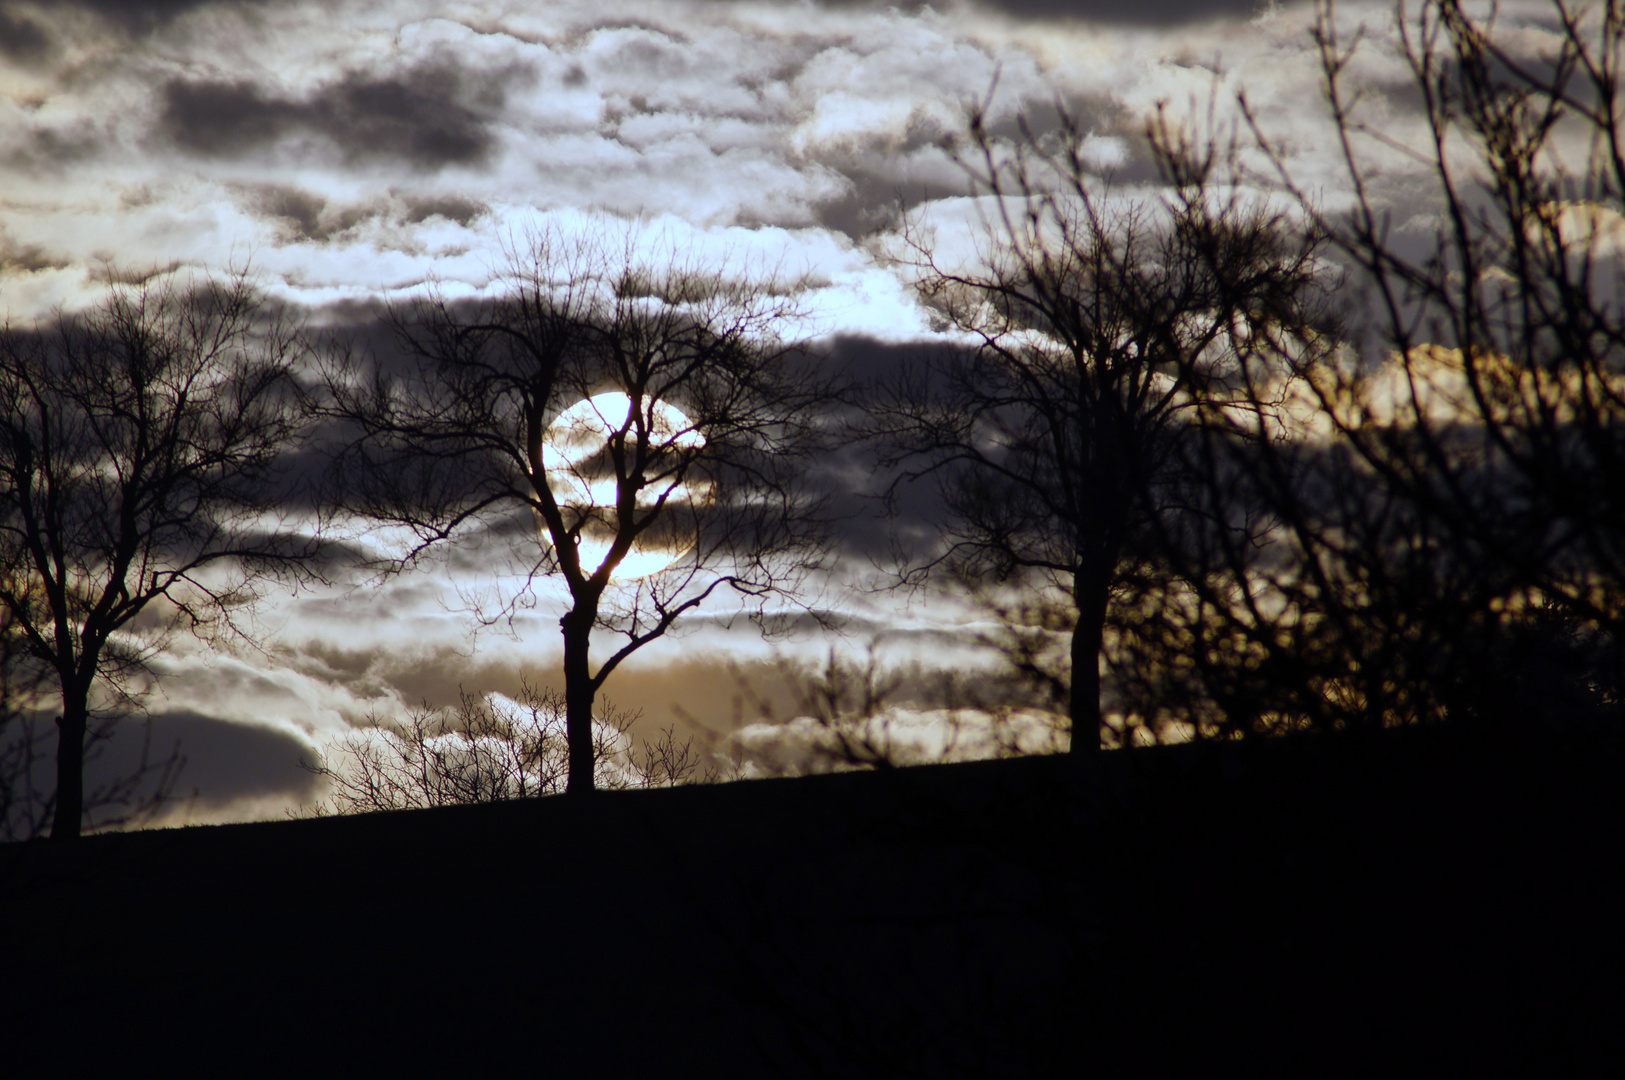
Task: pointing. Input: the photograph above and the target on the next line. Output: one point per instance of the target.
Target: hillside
(1423, 901)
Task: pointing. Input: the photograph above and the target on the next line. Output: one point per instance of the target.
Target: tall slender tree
(138, 447)
(1103, 330)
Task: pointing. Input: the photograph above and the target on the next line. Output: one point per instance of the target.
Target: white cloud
(716, 114)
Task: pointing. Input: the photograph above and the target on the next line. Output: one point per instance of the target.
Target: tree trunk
(1089, 592)
(578, 701)
(70, 764)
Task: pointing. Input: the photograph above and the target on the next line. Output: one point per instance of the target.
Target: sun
(573, 452)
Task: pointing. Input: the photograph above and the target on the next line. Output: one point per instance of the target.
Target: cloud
(24, 258)
(226, 763)
(215, 770)
(1159, 13)
(290, 121)
(303, 215)
(1148, 12)
(430, 116)
(144, 15)
(23, 40)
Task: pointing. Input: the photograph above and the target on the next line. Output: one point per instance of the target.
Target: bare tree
(641, 420)
(1455, 525)
(138, 443)
(1105, 330)
(489, 750)
(1446, 528)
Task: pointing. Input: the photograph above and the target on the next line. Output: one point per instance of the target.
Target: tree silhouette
(1103, 333)
(1446, 529)
(138, 443)
(640, 419)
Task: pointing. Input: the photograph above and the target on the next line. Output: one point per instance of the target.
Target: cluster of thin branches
(1446, 526)
(484, 750)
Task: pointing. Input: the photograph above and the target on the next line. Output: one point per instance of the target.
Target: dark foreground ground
(1423, 903)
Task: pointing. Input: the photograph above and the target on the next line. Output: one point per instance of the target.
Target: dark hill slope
(1424, 901)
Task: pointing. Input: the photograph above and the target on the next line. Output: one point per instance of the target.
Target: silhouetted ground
(1423, 902)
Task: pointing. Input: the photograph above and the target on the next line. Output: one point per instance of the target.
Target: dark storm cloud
(26, 257)
(24, 41)
(300, 210)
(879, 516)
(219, 763)
(225, 762)
(301, 214)
(432, 116)
(1141, 12)
(52, 149)
(38, 151)
(457, 208)
(140, 16)
(876, 195)
(304, 215)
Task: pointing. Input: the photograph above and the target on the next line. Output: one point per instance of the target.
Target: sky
(350, 154)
